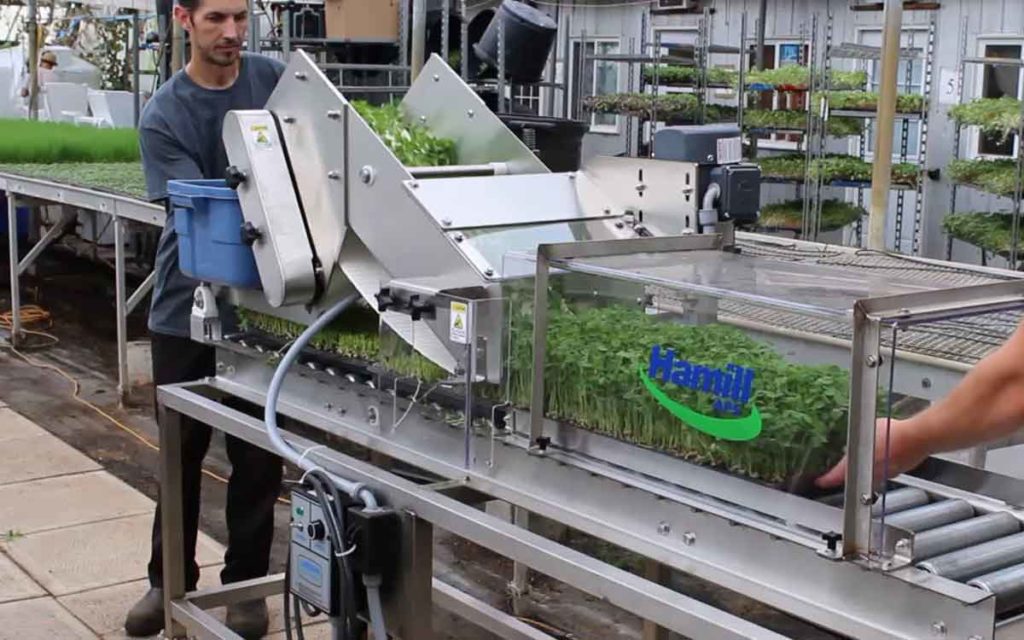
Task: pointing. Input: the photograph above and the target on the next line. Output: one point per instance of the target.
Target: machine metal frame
(681, 516)
(121, 209)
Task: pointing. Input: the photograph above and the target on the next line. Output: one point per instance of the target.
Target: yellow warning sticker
(261, 135)
(458, 326)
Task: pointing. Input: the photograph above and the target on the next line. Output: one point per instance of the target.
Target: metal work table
(120, 208)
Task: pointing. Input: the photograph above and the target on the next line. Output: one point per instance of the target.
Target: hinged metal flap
(281, 246)
(441, 101)
(504, 201)
(310, 109)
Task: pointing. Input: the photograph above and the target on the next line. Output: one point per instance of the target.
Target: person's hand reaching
(905, 453)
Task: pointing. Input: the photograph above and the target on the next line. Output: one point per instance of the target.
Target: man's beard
(220, 58)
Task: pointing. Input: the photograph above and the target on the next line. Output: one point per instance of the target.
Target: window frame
(978, 88)
(869, 154)
(577, 49)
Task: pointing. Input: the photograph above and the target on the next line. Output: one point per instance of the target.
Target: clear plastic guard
(911, 523)
(637, 355)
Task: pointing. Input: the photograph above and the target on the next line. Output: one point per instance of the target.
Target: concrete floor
(74, 542)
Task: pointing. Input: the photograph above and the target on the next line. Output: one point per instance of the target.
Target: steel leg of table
(172, 521)
(120, 295)
(12, 234)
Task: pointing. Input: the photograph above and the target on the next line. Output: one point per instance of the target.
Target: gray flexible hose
(354, 489)
(372, 584)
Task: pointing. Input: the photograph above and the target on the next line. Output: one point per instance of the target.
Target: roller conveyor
(932, 515)
(1006, 584)
(965, 533)
(901, 500)
(978, 560)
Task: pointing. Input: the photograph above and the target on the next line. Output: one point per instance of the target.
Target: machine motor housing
(740, 198)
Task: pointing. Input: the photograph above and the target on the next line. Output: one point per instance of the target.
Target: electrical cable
(287, 592)
(372, 584)
(333, 509)
(354, 489)
(76, 390)
(297, 612)
(30, 315)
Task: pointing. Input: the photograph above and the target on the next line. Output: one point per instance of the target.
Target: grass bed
(592, 372)
(835, 214)
(123, 178)
(868, 101)
(29, 141)
(834, 168)
(676, 76)
(797, 121)
(797, 78)
(992, 176)
(355, 334)
(989, 231)
(996, 116)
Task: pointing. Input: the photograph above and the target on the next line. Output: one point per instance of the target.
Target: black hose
(333, 512)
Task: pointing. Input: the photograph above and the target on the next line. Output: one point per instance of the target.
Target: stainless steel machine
(474, 265)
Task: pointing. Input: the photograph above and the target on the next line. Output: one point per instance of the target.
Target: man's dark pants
(252, 489)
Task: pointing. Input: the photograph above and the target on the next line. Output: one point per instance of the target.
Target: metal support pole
(120, 295)
(140, 292)
(286, 33)
(67, 217)
(172, 524)
(419, 36)
(566, 62)
(136, 43)
(177, 47)
(501, 63)
(254, 28)
(881, 177)
(446, 14)
(12, 246)
(464, 40)
(860, 446)
(32, 32)
(659, 574)
(762, 17)
(520, 572)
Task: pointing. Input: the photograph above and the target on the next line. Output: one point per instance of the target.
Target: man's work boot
(248, 619)
(146, 618)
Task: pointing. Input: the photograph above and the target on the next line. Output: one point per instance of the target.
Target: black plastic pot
(529, 36)
(558, 143)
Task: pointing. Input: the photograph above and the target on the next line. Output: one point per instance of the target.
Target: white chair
(115, 108)
(66, 100)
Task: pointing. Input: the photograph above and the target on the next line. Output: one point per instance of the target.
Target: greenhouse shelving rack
(1013, 257)
(650, 53)
(865, 53)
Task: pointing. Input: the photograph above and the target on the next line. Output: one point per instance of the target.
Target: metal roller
(979, 560)
(931, 515)
(901, 500)
(966, 533)
(1007, 585)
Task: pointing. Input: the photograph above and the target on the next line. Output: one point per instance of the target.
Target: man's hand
(905, 452)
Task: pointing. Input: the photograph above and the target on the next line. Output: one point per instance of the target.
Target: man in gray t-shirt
(180, 139)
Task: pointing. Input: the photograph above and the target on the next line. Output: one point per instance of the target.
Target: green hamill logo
(732, 388)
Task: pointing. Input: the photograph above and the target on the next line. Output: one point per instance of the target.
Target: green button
(299, 511)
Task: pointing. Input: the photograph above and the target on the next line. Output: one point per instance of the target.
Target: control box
(313, 572)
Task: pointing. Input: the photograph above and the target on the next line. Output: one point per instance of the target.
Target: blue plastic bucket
(208, 220)
(22, 219)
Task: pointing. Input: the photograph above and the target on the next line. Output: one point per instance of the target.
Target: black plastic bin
(557, 142)
(529, 36)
